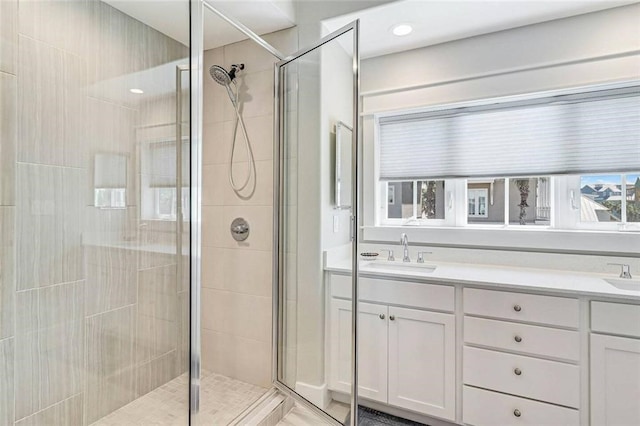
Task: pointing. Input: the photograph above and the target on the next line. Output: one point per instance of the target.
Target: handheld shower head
(222, 76)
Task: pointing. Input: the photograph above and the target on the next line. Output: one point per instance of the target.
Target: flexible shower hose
(252, 166)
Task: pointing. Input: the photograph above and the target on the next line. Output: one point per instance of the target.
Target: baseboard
(318, 395)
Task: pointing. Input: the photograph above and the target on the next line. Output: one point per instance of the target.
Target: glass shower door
(317, 94)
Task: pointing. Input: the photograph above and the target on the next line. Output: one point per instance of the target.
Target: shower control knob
(239, 229)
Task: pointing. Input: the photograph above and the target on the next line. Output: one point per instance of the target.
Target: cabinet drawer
(615, 318)
(539, 379)
(523, 338)
(392, 292)
(560, 311)
(485, 408)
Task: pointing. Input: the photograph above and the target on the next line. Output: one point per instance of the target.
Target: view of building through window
(604, 198)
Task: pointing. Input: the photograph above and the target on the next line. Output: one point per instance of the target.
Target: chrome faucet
(625, 272)
(404, 240)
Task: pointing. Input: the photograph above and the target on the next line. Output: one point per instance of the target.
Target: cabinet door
(422, 361)
(615, 381)
(372, 341)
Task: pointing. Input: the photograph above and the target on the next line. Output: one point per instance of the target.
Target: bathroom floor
(300, 416)
(222, 400)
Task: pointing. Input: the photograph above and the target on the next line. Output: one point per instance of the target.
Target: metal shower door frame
(278, 255)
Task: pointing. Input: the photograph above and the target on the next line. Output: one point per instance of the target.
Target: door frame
(278, 220)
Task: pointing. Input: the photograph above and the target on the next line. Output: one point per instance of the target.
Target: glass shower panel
(94, 294)
(317, 92)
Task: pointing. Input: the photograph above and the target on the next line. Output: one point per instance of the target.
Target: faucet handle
(421, 256)
(625, 271)
(391, 257)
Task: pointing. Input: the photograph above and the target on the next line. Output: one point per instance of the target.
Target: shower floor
(221, 400)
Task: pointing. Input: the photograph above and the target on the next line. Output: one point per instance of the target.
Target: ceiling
(437, 22)
(171, 17)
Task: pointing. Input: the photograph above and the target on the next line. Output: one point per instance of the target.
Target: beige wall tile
(6, 381)
(214, 144)
(8, 35)
(213, 267)
(27, 374)
(156, 373)
(214, 231)
(40, 103)
(61, 352)
(7, 266)
(247, 273)
(75, 112)
(40, 231)
(65, 413)
(110, 371)
(73, 181)
(214, 183)
(8, 137)
(241, 315)
(244, 359)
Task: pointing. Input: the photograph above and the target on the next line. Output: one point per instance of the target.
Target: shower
(227, 78)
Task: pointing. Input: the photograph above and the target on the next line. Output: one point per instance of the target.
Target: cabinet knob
(517, 372)
(382, 316)
(518, 339)
(517, 308)
(517, 413)
(392, 318)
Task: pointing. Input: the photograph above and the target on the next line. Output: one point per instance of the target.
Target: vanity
(487, 345)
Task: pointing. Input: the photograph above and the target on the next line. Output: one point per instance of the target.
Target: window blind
(589, 132)
(163, 165)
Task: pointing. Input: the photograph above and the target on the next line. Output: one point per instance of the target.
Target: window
(413, 201)
(609, 199)
(477, 202)
(515, 162)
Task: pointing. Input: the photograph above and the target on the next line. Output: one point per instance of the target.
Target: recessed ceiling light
(137, 91)
(402, 29)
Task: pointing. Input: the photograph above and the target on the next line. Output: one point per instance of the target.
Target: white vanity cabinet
(615, 364)
(406, 354)
(520, 356)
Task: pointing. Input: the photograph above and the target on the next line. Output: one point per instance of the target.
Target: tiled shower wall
(236, 277)
(92, 313)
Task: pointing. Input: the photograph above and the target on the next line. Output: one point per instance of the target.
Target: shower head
(222, 76)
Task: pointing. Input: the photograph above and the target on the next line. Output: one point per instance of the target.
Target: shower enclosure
(110, 312)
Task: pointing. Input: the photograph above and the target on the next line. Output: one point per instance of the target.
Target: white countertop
(566, 282)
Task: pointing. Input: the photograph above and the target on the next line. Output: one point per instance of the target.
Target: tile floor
(222, 400)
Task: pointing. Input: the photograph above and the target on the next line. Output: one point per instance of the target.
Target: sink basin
(415, 268)
(624, 284)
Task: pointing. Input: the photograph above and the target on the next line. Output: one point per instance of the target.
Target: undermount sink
(624, 284)
(399, 267)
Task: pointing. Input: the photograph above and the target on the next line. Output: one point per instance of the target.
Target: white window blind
(162, 167)
(566, 134)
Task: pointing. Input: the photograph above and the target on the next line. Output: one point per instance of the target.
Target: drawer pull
(392, 318)
(517, 372)
(382, 316)
(517, 413)
(518, 339)
(517, 308)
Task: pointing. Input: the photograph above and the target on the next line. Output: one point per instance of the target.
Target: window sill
(533, 238)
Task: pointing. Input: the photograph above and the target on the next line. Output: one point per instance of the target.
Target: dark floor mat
(370, 417)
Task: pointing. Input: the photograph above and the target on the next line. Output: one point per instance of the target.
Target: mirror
(110, 181)
(344, 138)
